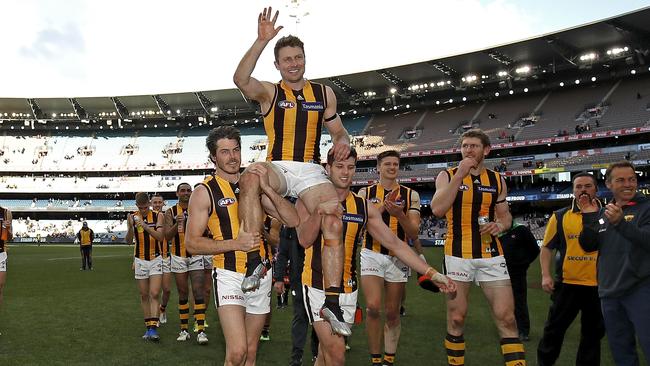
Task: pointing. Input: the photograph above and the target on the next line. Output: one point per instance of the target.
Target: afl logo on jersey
(226, 201)
(374, 200)
(463, 187)
(286, 104)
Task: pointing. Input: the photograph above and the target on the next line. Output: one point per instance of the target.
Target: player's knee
(183, 297)
(373, 311)
(335, 355)
(507, 319)
(236, 355)
(251, 354)
(249, 181)
(456, 319)
(392, 318)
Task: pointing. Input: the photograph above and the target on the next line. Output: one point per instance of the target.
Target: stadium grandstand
(564, 102)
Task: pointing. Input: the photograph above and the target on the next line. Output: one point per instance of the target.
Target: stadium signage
(515, 198)
(520, 172)
(520, 158)
(531, 142)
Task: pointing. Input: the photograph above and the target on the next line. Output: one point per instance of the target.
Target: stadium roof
(548, 54)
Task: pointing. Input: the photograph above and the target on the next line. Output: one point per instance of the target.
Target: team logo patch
(226, 201)
(313, 106)
(487, 189)
(347, 217)
(463, 187)
(628, 217)
(286, 104)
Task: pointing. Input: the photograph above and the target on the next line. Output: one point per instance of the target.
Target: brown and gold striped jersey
(146, 246)
(178, 241)
(376, 194)
(355, 217)
(223, 222)
(476, 196)
(294, 123)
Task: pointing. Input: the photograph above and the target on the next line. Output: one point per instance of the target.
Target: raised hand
(266, 29)
(466, 165)
(261, 171)
(613, 213)
(341, 151)
(587, 204)
(393, 208)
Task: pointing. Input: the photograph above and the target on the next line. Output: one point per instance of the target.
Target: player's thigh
(167, 281)
(276, 180)
(198, 283)
(329, 342)
(181, 281)
(499, 296)
(457, 303)
(3, 279)
(254, 326)
(155, 284)
(317, 194)
(143, 286)
(394, 293)
(372, 287)
(233, 325)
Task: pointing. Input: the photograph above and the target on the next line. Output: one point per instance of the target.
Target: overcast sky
(74, 48)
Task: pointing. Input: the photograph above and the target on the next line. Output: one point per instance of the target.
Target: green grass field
(54, 314)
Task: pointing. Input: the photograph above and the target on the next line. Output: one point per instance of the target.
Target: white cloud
(120, 47)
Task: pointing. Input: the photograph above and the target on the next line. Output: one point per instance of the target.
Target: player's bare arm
(129, 229)
(410, 221)
(9, 218)
(503, 218)
(252, 88)
(446, 189)
(334, 124)
(309, 226)
(274, 204)
(169, 228)
(378, 229)
(197, 222)
(273, 235)
(157, 234)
